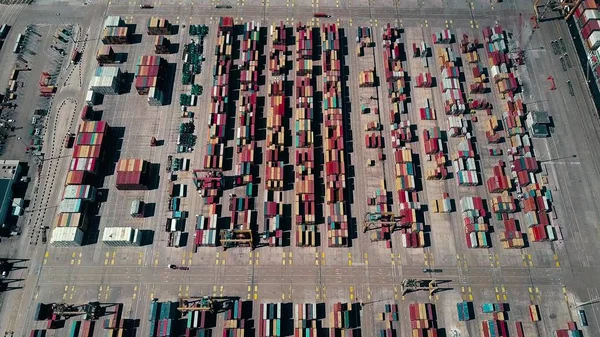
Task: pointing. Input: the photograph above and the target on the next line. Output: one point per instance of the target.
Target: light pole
(61, 20)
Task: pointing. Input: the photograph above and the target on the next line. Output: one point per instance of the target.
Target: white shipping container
(594, 40)
(66, 237)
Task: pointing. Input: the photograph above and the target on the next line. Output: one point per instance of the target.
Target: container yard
(328, 172)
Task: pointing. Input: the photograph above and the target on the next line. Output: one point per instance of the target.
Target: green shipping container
(75, 327)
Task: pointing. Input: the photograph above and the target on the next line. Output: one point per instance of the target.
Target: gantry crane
(410, 285)
(208, 179)
(91, 310)
(204, 303)
(236, 238)
(377, 220)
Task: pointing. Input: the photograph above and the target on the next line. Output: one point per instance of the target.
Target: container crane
(410, 285)
(236, 238)
(374, 221)
(91, 310)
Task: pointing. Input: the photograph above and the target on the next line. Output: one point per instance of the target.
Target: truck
(69, 137)
(142, 6)
(321, 15)
(75, 56)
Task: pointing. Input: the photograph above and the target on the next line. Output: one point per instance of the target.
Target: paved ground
(554, 275)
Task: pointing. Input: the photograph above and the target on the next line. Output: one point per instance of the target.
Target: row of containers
(270, 320)
(523, 163)
(389, 316)
(247, 109)
(499, 62)
(163, 317)
(377, 199)
(307, 320)
(474, 219)
(86, 329)
(305, 168)
(275, 147)
(334, 141)
(400, 131)
(150, 76)
(79, 195)
(344, 320)
(413, 234)
(235, 320)
(452, 90)
(464, 164)
(469, 47)
(434, 147)
(208, 180)
(423, 319)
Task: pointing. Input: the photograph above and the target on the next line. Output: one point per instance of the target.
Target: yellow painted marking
(140, 262)
(557, 264)
(283, 262)
(47, 254)
(530, 290)
(564, 290)
(45, 261)
(504, 297)
(73, 255)
(183, 261)
(223, 262)
(72, 261)
(497, 297)
(496, 288)
(462, 289)
(503, 290)
(112, 262)
(78, 261)
(105, 262)
(470, 297)
(217, 262)
(156, 262)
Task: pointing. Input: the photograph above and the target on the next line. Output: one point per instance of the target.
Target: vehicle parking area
(555, 275)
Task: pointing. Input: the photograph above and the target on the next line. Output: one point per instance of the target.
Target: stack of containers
(432, 140)
(161, 316)
(491, 126)
(366, 78)
(457, 126)
(424, 80)
(274, 153)
(304, 204)
(363, 40)
(42, 332)
(149, 73)
(473, 214)
(469, 48)
(334, 143)
(250, 57)
(505, 203)
(497, 325)
(158, 26)
(445, 36)
(401, 133)
(571, 331)
(133, 174)
(206, 230)
(277, 55)
(499, 182)
(499, 61)
(106, 81)
(427, 112)
(423, 319)
(443, 205)
(200, 323)
(161, 45)
(306, 320)
(464, 311)
(511, 237)
(115, 31)
(389, 316)
(270, 320)
(454, 102)
(115, 323)
(105, 55)
(87, 329)
(464, 164)
(342, 320)
(234, 320)
(514, 124)
(395, 76)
